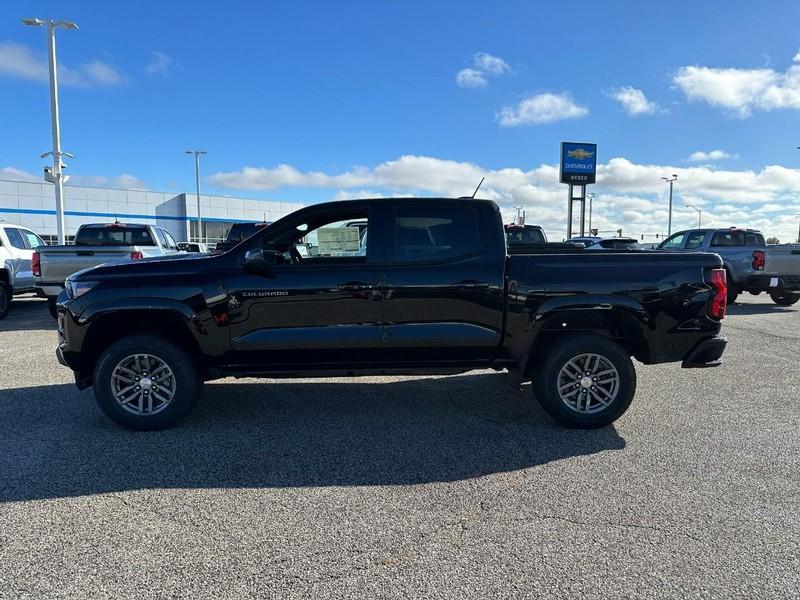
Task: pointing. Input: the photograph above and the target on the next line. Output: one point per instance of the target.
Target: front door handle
(472, 284)
(355, 286)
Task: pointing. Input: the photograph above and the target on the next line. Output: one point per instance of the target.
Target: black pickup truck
(427, 288)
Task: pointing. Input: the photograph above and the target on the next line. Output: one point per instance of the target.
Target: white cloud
(161, 64)
(470, 78)
(15, 174)
(701, 156)
(19, 61)
(125, 180)
(742, 91)
(630, 195)
(633, 101)
(493, 65)
(483, 66)
(542, 108)
(102, 73)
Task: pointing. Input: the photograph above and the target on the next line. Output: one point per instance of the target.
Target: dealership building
(32, 205)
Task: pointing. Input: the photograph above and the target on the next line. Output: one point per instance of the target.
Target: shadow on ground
(759, 309)
(54, 442)
(28, 313)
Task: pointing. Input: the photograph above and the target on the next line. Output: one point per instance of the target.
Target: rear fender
(618, 318)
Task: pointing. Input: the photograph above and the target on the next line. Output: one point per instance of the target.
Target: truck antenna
(477, 188)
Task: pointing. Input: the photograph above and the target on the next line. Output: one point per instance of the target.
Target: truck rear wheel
(784, 298)
(586, 381)
(144, 382)
(5, 299)
(733, 290)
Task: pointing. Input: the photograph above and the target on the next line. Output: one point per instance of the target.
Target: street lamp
(699, 214)
(57, 178)
(591, 196)
(670, 181)
(197, 154)
(798, 228)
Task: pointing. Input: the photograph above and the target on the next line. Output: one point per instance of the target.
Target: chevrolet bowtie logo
(580, 154)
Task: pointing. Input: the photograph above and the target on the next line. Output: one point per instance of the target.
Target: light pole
(670, 181)
(699, 215)
(798, 228)
(591, 196)
(197, 154)
(57, 178)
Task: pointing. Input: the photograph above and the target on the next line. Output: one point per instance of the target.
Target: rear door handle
(472, 284)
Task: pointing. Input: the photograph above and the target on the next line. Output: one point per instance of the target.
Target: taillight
(136, 255)
(758, 260)
(719, 281)
(36, 264)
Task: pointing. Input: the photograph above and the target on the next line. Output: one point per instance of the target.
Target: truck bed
(59, 262)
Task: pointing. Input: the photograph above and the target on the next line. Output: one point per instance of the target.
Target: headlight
(76, 289)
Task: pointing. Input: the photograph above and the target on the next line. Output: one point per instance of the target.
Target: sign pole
(578, 167)
(569, 213)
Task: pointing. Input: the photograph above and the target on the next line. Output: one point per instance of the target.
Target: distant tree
(773, 240)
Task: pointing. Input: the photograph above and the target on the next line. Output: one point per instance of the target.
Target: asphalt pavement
(436, 487)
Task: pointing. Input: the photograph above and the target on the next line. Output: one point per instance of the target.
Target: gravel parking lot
(446, 487)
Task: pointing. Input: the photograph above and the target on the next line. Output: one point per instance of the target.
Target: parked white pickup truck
(16, 250)
(97, 244)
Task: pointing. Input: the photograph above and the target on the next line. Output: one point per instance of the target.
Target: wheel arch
(107, 329)
(619, 325)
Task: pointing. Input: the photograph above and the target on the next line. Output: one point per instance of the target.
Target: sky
(313, 101)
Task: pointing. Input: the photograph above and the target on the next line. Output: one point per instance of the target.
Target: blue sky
(366, 98)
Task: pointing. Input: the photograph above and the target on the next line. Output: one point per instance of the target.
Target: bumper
(51, 290)
(707, 353)
(766, 283)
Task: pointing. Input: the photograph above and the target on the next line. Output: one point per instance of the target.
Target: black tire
(784, 298)
(550, 376)
(733, 290)
(5, 299)
(755, 293)
(187, 387)
(51, 306)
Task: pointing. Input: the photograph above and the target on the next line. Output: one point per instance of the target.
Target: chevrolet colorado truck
(434, 292)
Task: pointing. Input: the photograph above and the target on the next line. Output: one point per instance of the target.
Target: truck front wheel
(586, 381)
(144, 382)
(784, 298)
(5, 299)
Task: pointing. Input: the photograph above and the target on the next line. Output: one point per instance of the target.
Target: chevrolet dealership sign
(578, 163)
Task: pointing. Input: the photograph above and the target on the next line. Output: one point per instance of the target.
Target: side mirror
(258, 260)
(254, 259)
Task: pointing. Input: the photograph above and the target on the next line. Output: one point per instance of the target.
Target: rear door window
(695, 239)
(15, 238)
(727, 239)
(425, 233)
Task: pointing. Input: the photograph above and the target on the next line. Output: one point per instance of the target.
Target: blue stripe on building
(126, 216)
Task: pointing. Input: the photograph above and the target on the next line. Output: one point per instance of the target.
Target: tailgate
(60, 262)
(783, 260)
